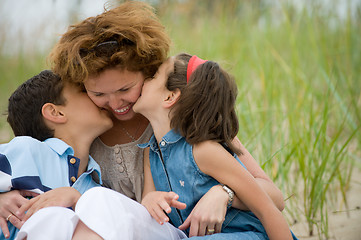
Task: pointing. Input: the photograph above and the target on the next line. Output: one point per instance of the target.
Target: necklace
(130, 135)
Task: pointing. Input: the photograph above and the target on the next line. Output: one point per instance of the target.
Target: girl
(190, 105)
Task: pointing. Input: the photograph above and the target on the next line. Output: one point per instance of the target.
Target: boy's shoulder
(24, 145)
(21, 142)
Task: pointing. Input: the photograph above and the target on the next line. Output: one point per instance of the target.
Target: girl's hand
(158, 202)
(209, 213)
(10, 202)
(63, 197)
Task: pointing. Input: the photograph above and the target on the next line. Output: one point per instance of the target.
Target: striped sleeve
(5, 174)
(18, 169)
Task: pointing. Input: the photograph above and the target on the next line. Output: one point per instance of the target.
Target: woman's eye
(98, 94)
(123, 89)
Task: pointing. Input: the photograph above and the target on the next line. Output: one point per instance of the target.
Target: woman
(112, 54)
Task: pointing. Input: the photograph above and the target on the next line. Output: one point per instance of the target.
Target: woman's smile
(123, 110)
(115, 90)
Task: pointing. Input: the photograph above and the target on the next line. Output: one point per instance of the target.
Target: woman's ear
(53, 113)
(172, 98)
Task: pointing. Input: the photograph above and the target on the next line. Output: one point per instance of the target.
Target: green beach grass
(299, 95)
(298, 72)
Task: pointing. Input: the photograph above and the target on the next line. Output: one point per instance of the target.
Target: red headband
(193, 63)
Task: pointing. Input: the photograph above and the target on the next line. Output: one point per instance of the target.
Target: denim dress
(178, 172)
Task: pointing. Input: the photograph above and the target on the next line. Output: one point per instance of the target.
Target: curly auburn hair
(142, 43)
(206, 107)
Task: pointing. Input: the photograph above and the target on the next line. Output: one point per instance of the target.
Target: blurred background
(297, 65)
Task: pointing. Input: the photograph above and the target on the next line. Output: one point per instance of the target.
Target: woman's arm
(215, 161)
(10, 202)
(62, 197)
(208, 213)
(15, 204)
(261, 178)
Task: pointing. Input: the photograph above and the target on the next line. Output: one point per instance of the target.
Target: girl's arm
(148, 179)
(210, 210)
(261, 178)
(215, 161)
(157, 202)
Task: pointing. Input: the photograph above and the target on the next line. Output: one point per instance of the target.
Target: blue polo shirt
(29, 164)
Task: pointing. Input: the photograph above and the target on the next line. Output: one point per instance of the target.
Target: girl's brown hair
(141, 43)
(206, 107)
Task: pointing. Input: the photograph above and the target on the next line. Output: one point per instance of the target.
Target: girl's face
(116, 90)
(154, 91)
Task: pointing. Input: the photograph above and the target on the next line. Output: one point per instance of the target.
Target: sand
(343, 225)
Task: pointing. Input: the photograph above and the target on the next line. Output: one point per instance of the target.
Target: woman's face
(116, 90)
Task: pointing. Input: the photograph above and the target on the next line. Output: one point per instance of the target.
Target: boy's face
(83, 114)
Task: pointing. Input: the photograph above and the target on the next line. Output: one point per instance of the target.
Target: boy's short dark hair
(25, 105)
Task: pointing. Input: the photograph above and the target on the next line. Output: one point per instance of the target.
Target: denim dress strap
(161, 176)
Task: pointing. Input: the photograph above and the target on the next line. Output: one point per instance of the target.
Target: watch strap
(230, 194)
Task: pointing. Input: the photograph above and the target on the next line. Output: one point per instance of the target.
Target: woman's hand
(63, 197)
(157, 203)
(10, 202)
(209, 213)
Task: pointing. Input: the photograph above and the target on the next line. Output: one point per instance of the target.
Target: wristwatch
(230, 194)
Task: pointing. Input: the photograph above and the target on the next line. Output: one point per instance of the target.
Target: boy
(54, 123)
